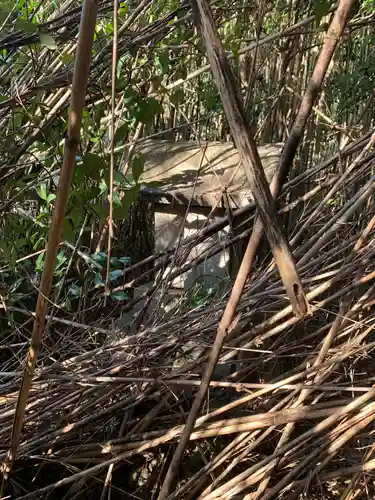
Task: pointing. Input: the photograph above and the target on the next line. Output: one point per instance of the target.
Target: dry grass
(293, 419)
(296, 417)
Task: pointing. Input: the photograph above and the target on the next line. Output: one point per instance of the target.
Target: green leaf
(48, 41)
(162, 64)
(90, 193)
(3, 98)
(98, 280)
(121, 133)
(114, 261)
(109, 28)
(33, 239)
(93, 164)
(129, 96)
(61, 258)
(103, 186)
(22, 242)
(17, 120)
(22, 60)
(68, 232)
(42, 191)
(116, 199)
(120, 261)
(138, 165)
(98, 113)
(211, 100)
(4, 16)
(50, 198)
(26, 26)
(87, 123)
(125, 260)
(5, 250)
(99, 210)
(128, 199)
(154, 106)
(119, 178)
(13, 258)
(330, 202)
(115, 274)
(146, 109)
(76, 215)
(123, 9)
(67, 58)
(121, 63)
(39, 264)
(100, 257)
(119, 296)
(321, 8)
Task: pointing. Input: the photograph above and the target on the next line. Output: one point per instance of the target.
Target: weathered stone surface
(196, 174)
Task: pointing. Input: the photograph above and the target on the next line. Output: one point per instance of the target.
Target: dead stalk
(81, 72)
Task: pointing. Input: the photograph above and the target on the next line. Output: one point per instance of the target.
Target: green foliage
(121, 133)
(321, 8)
(211, 98)
(66, 58)
(161, 62)
(42, 192)
(119, 296)
(16, 16)
(26, 26)
(122, 64)
(48, 41)
(117, 265)
(138, 164)
(348, 89)
(141, 69)
(60, 261)
(90, 169)
(129, 197)
(201, 295)
(367, 6)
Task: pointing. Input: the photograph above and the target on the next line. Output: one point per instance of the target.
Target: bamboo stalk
(81, 72)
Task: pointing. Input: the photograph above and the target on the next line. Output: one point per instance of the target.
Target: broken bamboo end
(298, 300)
(292, 283)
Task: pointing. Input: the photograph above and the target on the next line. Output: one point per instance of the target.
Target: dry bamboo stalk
(332, 38)
(340, 182)
(255, 175)
(239, 386)
(305, 393)
(220, 428)
(357, 423)
(141, 447)
(284, 313)
(348, 493)
(339, 442)
(356, 348)
(245, 479)
(256, 442)
(82, 65)
(244, 50)
(112, 148)
(250, 158)
(369, 465)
